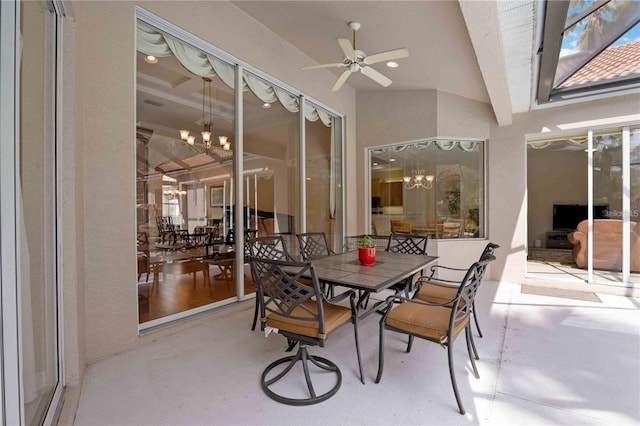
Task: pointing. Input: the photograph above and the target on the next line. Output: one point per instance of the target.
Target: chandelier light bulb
(184, 134)
(223, 140)
(227, 146)
(191, 139)
(418, 180)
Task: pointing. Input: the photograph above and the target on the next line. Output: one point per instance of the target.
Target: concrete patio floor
(546, 358)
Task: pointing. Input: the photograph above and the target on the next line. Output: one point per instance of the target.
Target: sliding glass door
(220, 158)
(584, 209)
(615, 245)
(31, 320)
(271, 169)
(606, 256)
(634, 203)
(322, 160)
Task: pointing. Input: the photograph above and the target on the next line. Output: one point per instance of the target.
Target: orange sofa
(607, 244)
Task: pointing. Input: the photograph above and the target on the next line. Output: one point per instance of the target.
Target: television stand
(558, 240)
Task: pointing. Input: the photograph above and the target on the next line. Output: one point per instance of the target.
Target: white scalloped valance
(152, 41)
(443, 144)
(577, 140)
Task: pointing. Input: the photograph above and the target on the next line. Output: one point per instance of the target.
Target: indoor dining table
(389, 268)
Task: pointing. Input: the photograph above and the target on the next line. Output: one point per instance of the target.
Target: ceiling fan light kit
(356, 60)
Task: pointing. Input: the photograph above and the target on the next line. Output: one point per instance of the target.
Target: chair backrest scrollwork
(313, 245)
(407, 243)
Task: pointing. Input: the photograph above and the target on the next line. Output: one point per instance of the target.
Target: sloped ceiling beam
(483, 25)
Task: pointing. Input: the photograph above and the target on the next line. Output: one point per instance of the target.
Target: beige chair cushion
(431, 322)
(334, 316)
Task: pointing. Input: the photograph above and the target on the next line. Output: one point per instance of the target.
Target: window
(589, 47)
(432, 187)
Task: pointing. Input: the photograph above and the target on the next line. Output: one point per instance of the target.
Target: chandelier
(418, 180)
(173, 193)
(206, 119)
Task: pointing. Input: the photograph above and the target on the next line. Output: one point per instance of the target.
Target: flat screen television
(566, 217)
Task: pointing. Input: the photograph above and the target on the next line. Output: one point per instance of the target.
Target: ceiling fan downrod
(355, 26)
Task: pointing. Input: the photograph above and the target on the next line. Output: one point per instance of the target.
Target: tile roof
(613, 63)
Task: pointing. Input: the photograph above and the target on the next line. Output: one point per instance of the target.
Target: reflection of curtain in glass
(152, 41)
(30, 383)
(577, 140)
(28, 340)
(445, 145)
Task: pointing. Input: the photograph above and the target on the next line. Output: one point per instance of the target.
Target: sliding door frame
(12, 399)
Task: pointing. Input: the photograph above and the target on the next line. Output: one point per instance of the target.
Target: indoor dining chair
(440, 323)
(303, 315)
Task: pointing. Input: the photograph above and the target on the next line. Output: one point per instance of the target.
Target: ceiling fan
(356, 60)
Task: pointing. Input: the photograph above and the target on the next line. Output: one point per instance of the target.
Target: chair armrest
(577, 237)
(391, 300)
(433, 269)
(340, 297)
(434, 281)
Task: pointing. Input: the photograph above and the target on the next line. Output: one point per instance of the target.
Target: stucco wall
(104, 120)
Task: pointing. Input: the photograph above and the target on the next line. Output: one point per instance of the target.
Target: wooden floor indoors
(177, 293)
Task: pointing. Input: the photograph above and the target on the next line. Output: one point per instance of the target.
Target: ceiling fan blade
(347, 48)
(313, 67)
(387, 56)
(341, 81)
(376, 76)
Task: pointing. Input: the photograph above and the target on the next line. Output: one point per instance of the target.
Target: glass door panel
(38, 206)
(271, 150)
(323, 196)
(606, 237)
(634, 237)
(184, 187)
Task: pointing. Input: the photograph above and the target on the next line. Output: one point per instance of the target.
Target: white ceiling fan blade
(341, 81)
(313, 67)
(376, 76)
(347, 48)
(387, 56)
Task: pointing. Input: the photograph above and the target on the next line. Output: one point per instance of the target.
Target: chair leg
(410, 343)
(381, 352)
(467, 332)
(473, 345)
(255, 315)
(453, 377)
(475, 317)
(355, 332)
